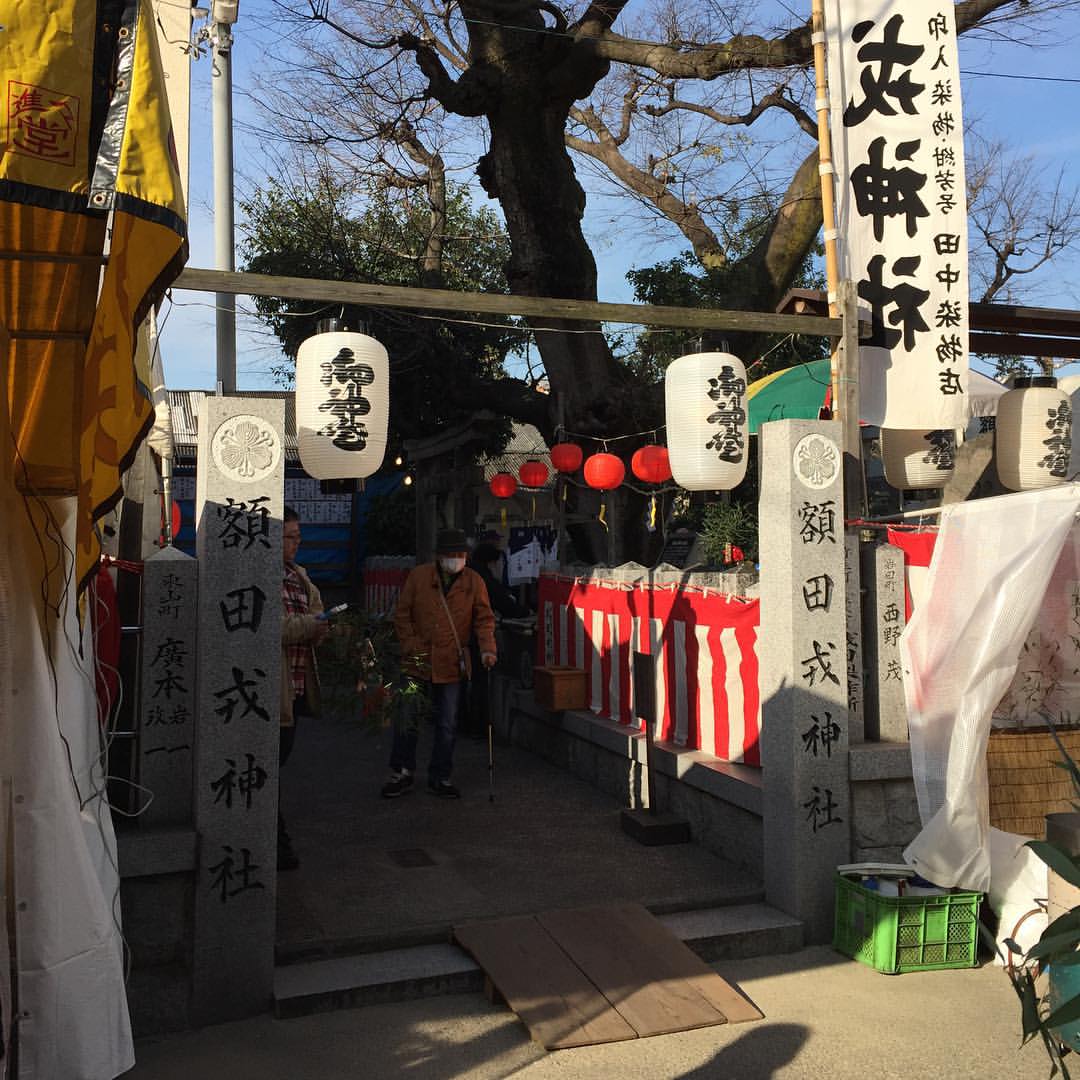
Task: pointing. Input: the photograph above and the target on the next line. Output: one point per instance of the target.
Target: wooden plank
(396, 296)
(1024, 345)
(647, 974)
(558, 1004)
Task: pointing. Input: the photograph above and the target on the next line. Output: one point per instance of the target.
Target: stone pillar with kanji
(884, 620)
(238, 513)
(168, 705)
(803, 655)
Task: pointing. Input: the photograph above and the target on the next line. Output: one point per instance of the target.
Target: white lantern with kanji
(918, 459)
(1034, 434)
(706, 413)
(342, 404)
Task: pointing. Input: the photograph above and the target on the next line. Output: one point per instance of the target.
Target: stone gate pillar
(238, 508)
(803, 664)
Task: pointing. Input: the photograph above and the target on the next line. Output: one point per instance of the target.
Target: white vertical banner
(897, 137)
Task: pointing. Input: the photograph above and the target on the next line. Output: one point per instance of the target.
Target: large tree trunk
(528, 84)
(528, 170)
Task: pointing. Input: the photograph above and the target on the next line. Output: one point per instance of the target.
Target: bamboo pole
(844, 361)
(825, 174)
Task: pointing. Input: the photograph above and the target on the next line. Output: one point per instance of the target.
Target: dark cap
(450, 540)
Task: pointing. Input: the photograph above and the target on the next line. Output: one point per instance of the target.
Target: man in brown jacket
(441, 605)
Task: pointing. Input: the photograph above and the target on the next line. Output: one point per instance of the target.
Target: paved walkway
(549, 840)
(384, 872)
(825, 1017)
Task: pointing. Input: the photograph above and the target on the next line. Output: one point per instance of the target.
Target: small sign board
(683, 549)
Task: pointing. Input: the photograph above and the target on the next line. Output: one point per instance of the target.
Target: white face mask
(452, 564)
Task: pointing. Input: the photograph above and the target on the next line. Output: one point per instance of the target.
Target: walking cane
(490, 736)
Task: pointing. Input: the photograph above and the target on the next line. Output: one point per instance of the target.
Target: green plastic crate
(895, 934)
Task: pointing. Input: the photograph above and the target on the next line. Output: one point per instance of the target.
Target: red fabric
(707, 698)
(918, 549)
(105, 621)
(382, 586)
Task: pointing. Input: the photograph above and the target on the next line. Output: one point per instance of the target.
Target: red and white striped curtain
(706, 679)
(382, 586)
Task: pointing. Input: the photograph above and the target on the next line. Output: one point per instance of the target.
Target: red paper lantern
(651, 464)
(604, 471)
(566, 457)
(502, 485)
(533, 474)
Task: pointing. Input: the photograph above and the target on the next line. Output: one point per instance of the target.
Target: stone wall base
(721, 801)
(885, 813)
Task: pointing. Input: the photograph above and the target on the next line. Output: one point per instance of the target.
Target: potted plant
(1047, 977)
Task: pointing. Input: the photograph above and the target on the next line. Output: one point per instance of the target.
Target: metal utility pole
(223, 17)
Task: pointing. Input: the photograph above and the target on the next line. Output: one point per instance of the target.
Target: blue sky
(1031, 100)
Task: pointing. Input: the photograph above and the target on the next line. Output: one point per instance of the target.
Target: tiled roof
(184, 408)
(526, 444)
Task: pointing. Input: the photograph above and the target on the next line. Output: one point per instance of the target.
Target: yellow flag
(88, 134)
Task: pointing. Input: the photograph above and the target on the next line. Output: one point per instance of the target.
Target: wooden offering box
(558, 688)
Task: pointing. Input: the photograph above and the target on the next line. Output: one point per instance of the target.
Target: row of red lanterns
(603, 471)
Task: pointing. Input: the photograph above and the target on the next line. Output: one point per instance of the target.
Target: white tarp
(898, 148)
(1000, 566)
(71, 1008)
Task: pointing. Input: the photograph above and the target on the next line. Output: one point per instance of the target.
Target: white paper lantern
(1034, 434)
(918, 459)
(705, 403)
(342, 405)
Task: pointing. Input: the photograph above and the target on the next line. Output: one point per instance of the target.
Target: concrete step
(343, 982)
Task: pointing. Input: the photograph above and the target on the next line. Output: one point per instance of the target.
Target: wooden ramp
(600, 974)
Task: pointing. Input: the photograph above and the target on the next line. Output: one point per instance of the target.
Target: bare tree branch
(685, 218)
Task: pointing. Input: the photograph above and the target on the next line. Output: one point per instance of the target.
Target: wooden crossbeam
(533, 307)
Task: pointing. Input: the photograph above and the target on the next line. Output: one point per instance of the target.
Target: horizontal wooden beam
(1023, 320)
(49, 335)
(1024, 345)
(532, 307)
(54, 257)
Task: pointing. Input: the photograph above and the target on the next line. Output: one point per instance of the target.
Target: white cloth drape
(994, 562)
(72, 1015)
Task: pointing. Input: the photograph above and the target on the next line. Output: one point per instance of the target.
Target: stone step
(722, 933)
